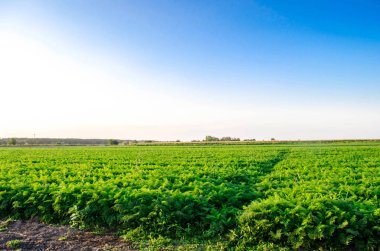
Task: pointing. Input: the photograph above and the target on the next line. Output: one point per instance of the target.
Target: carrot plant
(265, 197)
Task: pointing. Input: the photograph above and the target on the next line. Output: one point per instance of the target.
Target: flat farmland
(303, 196)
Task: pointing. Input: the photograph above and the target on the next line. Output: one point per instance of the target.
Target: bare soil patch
(33, 235)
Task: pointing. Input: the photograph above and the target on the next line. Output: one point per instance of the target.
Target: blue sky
(185, 69)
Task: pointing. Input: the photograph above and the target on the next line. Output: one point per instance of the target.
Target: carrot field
(304, 196)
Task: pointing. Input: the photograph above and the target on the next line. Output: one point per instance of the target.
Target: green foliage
(316, 199)
(270, 197)
(309, 224)
(175, 192)
(13, 244)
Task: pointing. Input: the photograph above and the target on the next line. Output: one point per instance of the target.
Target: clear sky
(179, 69)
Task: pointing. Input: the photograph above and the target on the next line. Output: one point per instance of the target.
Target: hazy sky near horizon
(170, 70)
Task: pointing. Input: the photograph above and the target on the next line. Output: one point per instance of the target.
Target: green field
(304, 196)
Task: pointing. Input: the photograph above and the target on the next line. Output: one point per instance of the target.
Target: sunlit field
(299, 196)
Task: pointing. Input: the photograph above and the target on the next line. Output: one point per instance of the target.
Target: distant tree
(272, 139)
(147, 141)
(11, 141)
(229, 139)
(113, 142)
(226, 139)
(211, 138)
(250, 140)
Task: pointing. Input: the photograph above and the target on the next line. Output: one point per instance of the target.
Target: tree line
(76, 141)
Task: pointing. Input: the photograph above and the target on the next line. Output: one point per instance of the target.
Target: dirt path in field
(34, 235)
